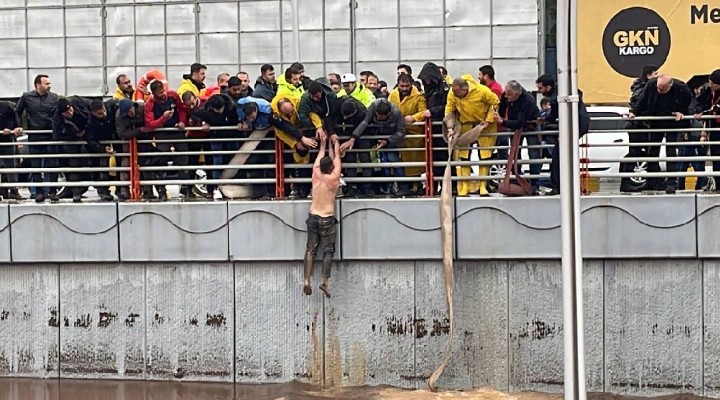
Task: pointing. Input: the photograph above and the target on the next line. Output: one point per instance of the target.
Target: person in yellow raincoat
(194, 82)
(288, 129)
(411, 103)
(289, 84)
(471, 104)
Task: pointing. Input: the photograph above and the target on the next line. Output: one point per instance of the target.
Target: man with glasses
(664, 97)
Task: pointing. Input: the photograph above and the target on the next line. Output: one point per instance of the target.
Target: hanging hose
(446, 227)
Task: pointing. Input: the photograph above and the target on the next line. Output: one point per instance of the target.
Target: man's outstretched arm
(321, 154)
(336, 155)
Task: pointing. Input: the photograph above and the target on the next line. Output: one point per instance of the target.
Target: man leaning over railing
(383, 119)
(69, 125)
(255, 115)
(436, 93)
(352, 114)
(9, 129)
(519, 111)
(164, 110)
(664, 96)
(708, 103)
(101, 127)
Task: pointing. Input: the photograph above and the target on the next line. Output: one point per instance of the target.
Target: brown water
(35, 389)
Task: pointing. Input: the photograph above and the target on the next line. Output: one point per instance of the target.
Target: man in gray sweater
(39, 105)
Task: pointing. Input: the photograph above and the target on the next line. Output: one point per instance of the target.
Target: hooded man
(436, 93)
(69, 123)
(289, 84)
(101, 127)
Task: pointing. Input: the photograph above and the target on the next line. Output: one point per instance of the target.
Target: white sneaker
(217, 195)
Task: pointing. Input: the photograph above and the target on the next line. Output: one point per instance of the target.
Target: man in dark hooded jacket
(101, 127)
(69, 124)
(352, 114)
(708, 103)
(436, 93)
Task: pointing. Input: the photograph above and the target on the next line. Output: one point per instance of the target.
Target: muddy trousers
(321, 234)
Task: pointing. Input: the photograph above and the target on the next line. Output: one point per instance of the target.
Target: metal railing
(272, 169)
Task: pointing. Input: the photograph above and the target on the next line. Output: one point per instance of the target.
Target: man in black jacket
(69, 125)
(546, 86)
(9, 129)
(352, 114)
(101, 127)
(436, 92)
(664, 96)
(519, 111)
(708, 103)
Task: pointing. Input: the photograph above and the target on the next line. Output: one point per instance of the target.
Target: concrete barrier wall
(140, 312)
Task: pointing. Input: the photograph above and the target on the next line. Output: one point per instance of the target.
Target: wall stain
(538, 330)
(130, 320)
(396, 326)
(106, 318)
(83, 321)
(4, 315)
(53, 321)
(26, 316)
(440, 327)
(66, 321)
(653, 385)
(215, 320)
(158, 319)
(194, 321)
(420, 331)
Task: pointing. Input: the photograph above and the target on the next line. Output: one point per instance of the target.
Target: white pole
(295, 30)
(570, 203)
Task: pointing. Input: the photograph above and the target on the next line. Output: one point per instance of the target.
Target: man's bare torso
(324, 189)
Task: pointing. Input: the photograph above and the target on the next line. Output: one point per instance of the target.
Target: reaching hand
(320, 134)
(309, 142)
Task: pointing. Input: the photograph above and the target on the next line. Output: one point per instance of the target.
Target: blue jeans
(393, 156)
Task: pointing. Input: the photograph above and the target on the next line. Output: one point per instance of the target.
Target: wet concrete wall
(182, 299)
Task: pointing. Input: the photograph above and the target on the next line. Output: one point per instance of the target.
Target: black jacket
(551, 121)
(352, 122)
(708, 103)
(637, 89)
(39, 110)
(681, 99)
(436, 90)
(69, 129)
(516, 114)
(264, 90)
(98, 130)
(8, 120)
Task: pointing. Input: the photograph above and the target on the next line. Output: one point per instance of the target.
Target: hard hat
(348, 78)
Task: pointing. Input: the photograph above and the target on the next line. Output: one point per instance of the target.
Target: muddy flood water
(33, 389)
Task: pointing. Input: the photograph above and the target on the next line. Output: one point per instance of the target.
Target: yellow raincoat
(477, 106)
(119, 95)
(187, 85)
(413, 105)
(288, 139)
(287, 89)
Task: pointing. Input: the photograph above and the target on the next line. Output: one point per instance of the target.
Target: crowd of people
(376, 122)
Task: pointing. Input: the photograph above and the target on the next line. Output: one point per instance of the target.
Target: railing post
(279, 169)
(135, 191)
(429, 177)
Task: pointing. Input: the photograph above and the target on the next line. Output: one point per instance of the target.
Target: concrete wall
(192, 292)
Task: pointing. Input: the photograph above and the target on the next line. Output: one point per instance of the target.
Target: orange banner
(616, 38)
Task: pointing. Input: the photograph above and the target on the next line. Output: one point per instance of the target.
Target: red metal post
(279, 169)
(429, 177)
(134, 171)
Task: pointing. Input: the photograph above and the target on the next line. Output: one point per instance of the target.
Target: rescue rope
(446, 227)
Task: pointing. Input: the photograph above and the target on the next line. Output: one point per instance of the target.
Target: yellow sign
(619, 37)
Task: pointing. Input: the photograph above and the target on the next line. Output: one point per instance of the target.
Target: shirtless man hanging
(321, 221)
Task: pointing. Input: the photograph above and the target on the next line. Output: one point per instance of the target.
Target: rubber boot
(484, 171)
(464, 185)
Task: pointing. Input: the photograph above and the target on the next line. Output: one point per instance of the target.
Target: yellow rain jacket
(413, 105)
(187, 85)
(360, 93)
(288, 139)
(478, 105)
(119, 95)
(287, 89)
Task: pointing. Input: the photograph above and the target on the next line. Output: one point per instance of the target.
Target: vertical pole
(279, 170)
(296, 29)
(134, 171)
(429, 177)
(570, 209)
